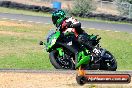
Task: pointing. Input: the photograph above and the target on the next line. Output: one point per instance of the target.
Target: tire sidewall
(111, 68)
(54, 62)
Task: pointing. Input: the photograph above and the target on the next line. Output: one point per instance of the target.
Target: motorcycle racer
(62, 22)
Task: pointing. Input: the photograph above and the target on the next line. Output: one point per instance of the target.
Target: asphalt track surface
(85, 24)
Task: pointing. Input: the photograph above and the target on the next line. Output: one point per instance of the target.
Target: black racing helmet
(57, 17)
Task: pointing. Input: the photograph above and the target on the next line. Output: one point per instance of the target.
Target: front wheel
(60, 62)
(108, 62)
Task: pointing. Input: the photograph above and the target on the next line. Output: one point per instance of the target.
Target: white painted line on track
(20, 20)
(99, 29)
(25, 21)
(30, 21)
(38, 22)
(13, 19)
(107, 30)
(4, 18)
(117, 31)
(47, 23)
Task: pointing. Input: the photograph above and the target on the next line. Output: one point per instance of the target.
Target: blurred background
(114, 7)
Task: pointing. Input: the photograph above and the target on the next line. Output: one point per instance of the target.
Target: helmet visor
(54, 19)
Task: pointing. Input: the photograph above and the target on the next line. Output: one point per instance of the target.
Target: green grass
(19, 48)
(26, 12)
(23, 51)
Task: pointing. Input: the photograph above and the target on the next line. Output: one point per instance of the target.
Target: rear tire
(112, 63)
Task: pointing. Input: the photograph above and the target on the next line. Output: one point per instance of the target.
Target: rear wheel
(108, 62)
(59, 62)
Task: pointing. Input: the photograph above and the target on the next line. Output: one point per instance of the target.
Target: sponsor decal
(108, 78)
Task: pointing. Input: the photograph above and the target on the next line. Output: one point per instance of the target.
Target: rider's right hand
(69, 24)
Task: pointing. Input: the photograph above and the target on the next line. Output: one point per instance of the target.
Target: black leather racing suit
(82, 37)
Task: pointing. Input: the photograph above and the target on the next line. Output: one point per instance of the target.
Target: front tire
(54, 59)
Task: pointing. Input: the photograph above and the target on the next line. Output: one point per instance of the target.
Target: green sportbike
(65, 52)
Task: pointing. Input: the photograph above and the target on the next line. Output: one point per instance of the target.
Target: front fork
(61, 52)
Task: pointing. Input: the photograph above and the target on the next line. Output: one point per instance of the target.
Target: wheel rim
(64, 63)
(111, 62)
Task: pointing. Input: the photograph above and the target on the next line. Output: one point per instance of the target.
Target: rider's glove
(69, 24)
